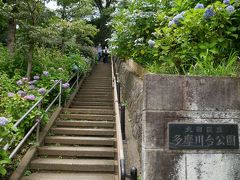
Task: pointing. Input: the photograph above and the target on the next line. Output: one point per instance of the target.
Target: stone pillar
(181, 99)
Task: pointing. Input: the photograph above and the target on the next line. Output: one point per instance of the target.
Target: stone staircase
(82, 143)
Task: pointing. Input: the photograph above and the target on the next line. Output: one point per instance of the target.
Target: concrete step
(101, 94)
(99, 81)
(95, 93)
(79, 103)
(83, 131)
(76, 151)
(69, 176)
(108, 91)
(91, 107)
(96, 87)
(78, 165)
(96, 124)
(87, 117)
(88, 111)
(94, 96)
(100, 76)
(87, 99)
(73, 140)
(91, 83)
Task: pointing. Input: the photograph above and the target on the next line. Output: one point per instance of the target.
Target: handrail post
(77, 78)
(123, 170)
(38, 130)
(114, 67)
(123, 121)
(39, 121)
(133, 173)
(60, 93)
(118, 92)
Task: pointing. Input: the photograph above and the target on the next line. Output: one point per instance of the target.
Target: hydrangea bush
(18, 93)
(186, 37)
(3, 134)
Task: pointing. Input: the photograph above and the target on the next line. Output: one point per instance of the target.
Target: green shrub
(176, 36)
(18, 94)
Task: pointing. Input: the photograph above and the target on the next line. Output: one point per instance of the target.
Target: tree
(72, 13)
(12, 28)
(8, 11)
(31, 17)
(104, 10)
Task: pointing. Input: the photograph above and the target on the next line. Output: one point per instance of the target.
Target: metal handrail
(37, 124)
(35, 105)
(121, 132)
(121, 163)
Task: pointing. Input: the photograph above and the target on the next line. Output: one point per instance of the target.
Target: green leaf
(235, 35)
(214, 51)
(3, 171)
(202, 46)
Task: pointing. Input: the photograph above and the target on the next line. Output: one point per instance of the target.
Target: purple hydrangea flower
(227, 2)
(199, 6)
(19, 82)
(230, 9)
(151, 43)
(45, 73)
(33, 82)
(65, 85)
(3, 121)
(36, 77)
(10, 94)
(208, 13)
(22, 93)
(32, 87)
(42, 91)
(30, 97)
(178, 17)
(171, 23)
(182, 13)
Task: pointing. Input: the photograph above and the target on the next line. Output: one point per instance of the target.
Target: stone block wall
(132, 96)
(201, 100)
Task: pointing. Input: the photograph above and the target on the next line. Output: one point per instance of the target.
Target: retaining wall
(181, 99)
(155, 101)
(132, 96)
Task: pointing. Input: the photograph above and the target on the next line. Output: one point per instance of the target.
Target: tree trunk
(11, 35)
(30, 60)
(63, 16)
(63, 45)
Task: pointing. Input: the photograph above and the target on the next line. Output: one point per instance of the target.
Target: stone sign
(203, 136)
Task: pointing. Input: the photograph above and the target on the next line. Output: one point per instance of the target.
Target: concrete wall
(132, 96)
(194, 100)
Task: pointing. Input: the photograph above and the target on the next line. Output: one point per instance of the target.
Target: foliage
(101, 18)
(18, 94)
(179, 37)
(72, 25)
(45, 47)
